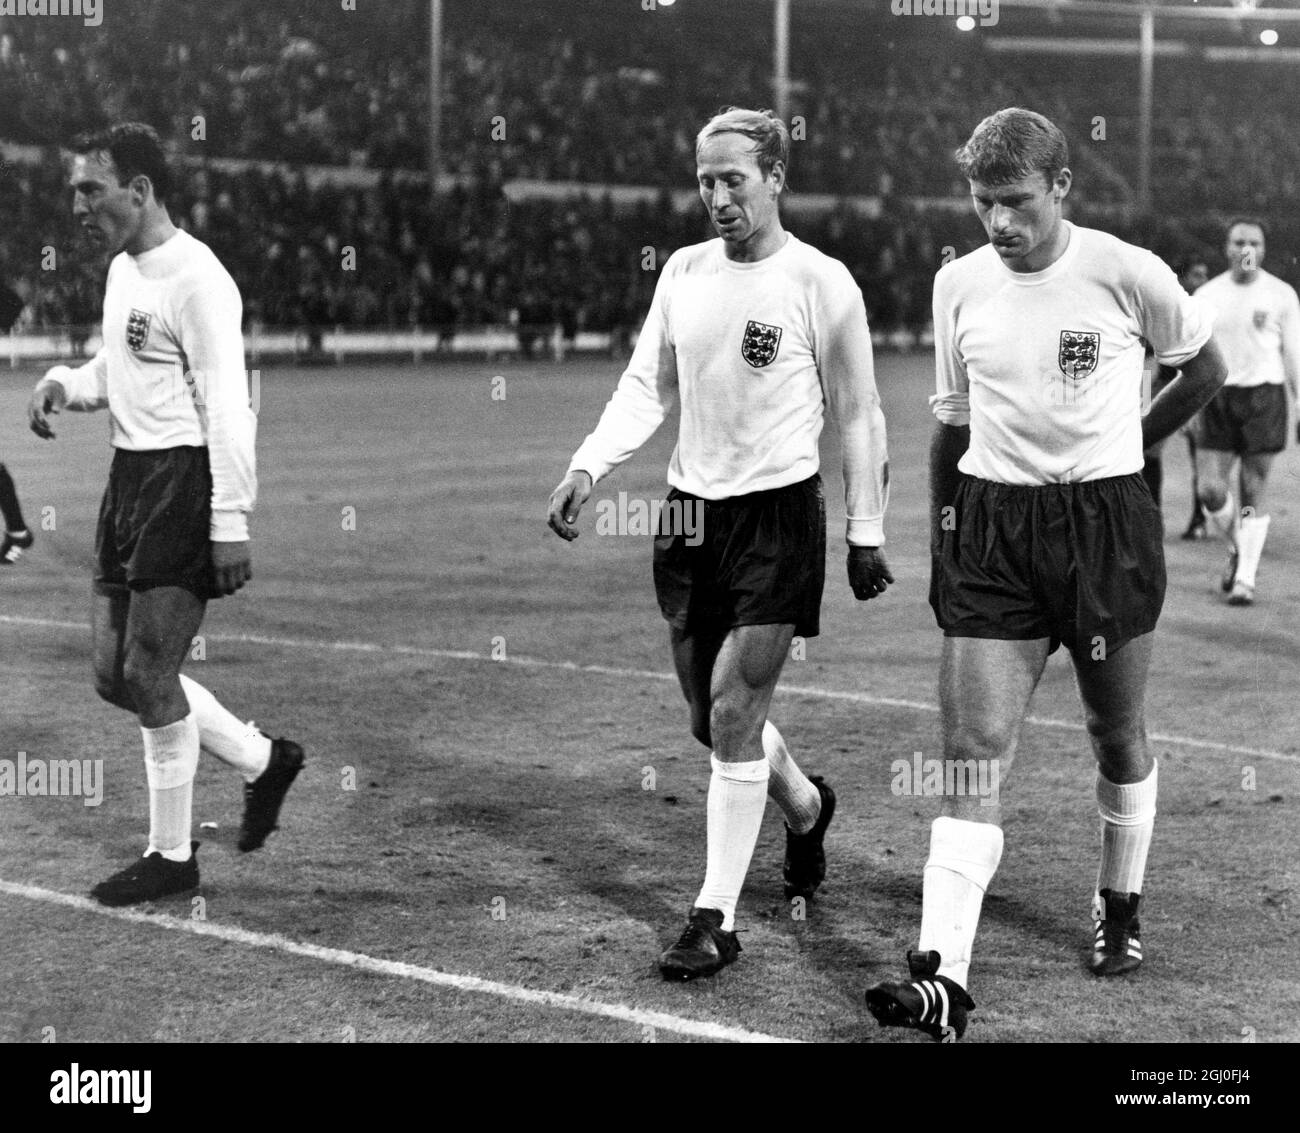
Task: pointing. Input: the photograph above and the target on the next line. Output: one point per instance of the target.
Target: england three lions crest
(1078, 353)
(760, 344)
(137, 329)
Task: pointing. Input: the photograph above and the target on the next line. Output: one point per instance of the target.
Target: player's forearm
(864, 445)
(86, 386)
(947, 447)
(234, 492)
(232, 437)
(1198, 380)
(231, 431)
(1291, 372)
(210, 330)
(630, 419)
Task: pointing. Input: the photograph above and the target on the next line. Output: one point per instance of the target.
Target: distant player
(173, 526)
(1257, 321)
(757, 334)
(15, 538)
(1043, 531)
(1192, 274)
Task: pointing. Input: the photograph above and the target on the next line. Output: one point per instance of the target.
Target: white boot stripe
(943, 1013)
(927, 998)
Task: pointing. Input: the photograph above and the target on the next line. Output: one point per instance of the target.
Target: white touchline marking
(232, 934)
(654, 675)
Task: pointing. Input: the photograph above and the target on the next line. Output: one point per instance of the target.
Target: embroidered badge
(137, 329)
(1077, 356)
(760, 344)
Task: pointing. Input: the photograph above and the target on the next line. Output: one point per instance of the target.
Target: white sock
(963, 858)
(1128, 816)
(222, 734)
(1224, 521)
(1250, 546)
(787, 786)
(171, 756)
(737, 799)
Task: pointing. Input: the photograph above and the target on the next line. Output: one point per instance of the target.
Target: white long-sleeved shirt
(1257, 326)
(755, 352)
(1046, 367)
(171, 370)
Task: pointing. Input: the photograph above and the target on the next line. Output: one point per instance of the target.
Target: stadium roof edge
(1112, 8)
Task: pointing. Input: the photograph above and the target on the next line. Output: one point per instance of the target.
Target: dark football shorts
(154, 523)
(758, 559)
(1245, 419)
(1068, 562)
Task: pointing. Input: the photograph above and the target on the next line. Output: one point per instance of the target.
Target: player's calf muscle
(111, 687)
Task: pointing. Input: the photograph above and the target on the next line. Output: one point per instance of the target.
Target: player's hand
(47, 399)
(869, 574)
(232, 564)
(566, 502)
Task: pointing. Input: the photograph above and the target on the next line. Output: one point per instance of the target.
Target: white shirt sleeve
(847, 369)
(86, 386)
(951, 400)
(214, 349)
(1176, 324)
(1291, 338)
(646, 394)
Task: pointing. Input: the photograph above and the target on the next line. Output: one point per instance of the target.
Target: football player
(173, 525)
(756, 334)
(1043, 531)
(16, 538)
(1257, 318)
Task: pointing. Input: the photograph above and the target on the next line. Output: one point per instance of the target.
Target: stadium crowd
(276, 82)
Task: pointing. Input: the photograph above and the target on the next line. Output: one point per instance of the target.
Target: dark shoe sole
(680, 973)
(185, 880)
(1114, 966)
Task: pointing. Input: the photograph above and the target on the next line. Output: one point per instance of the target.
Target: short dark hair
(1254, 220)
(1011, 144)
(135, 149)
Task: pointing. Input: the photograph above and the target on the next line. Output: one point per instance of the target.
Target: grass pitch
(501, 782)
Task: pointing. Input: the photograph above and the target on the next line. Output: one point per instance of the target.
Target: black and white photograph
(649, 521)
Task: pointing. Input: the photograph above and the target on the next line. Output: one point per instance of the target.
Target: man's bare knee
(1212, 495)
(143, 690)
(733, 719)
(1121, 751)
(147, 677)
(979, 741)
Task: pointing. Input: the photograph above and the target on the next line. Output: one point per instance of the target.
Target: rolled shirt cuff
(866, 532)
(229, 527)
